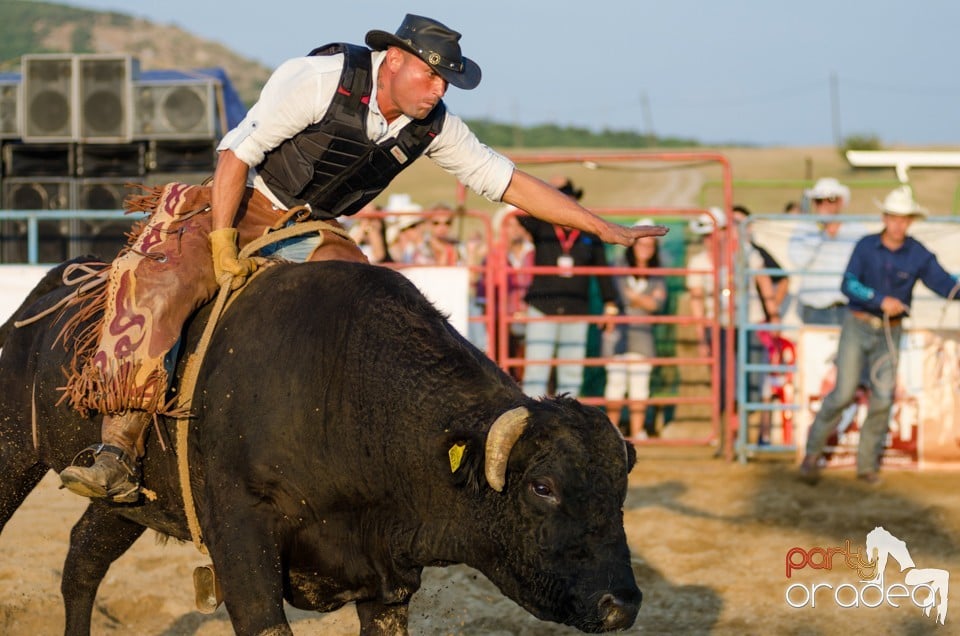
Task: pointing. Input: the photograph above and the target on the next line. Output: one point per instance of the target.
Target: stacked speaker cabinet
(75, 129)
(47, 108)
(38, 193)
(175, 109)
(111, 160)
(38, 160)
(37, 177)
(77, 98)
(9, 98)
(105, 98)
(103, 238)
(182, 155)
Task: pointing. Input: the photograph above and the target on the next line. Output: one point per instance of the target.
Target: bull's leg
(246, 556)
(379, 619)
(96, 541)
(16, 485)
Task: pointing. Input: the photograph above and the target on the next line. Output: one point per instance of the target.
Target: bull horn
(504, 433)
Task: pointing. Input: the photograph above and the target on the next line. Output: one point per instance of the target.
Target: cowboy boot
(115, 473)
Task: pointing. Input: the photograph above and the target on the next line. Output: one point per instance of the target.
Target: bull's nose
(617, 612)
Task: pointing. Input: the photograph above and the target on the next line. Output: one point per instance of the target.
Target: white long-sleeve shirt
(822, 259)
(298, 94)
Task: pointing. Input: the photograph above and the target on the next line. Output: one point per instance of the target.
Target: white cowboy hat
(706, 222)
(827, 188)
(900, 202)
(401, 202)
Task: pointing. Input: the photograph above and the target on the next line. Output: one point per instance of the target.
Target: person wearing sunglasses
(820, 250)
(442, 246)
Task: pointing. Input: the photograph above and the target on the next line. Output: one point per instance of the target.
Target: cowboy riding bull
(342, 436)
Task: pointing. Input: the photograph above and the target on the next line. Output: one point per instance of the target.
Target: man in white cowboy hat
(821, 251)
(878, 282)
(329, 132)
(405, 240)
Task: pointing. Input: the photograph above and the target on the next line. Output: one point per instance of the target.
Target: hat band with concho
(435, 44)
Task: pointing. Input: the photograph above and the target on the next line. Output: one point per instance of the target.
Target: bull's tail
(51, 281)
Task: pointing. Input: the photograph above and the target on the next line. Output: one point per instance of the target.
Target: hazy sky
(756, 71)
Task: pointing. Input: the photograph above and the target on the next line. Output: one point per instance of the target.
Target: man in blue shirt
(878, 282)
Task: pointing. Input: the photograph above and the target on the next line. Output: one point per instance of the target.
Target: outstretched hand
(623, 235)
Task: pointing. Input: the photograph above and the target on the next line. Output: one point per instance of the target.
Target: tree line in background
(500, 135)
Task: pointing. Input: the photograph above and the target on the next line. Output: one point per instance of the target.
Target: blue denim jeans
(862, 348)
(296, 248)
(545, 340)
(832, 315)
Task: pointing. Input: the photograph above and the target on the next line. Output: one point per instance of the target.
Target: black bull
(324, 416)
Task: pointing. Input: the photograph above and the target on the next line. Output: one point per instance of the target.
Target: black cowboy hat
(435, 44)
(572, 192)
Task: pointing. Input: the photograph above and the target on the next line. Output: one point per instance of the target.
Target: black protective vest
(332, 165)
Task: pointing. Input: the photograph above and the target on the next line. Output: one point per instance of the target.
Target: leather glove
(223, 243)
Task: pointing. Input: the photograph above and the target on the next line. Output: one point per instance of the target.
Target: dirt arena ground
(709, 541)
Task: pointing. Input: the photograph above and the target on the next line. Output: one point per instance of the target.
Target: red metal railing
(496, 269)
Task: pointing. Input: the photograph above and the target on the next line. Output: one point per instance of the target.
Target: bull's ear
(465, 456)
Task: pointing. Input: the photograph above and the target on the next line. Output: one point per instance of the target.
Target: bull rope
(192, 369)
(88, 279)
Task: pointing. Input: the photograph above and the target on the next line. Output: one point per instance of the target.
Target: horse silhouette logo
(881, 546)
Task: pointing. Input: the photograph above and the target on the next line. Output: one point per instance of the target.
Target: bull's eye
(544, 490)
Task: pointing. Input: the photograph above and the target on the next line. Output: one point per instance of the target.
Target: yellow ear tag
(456, 456)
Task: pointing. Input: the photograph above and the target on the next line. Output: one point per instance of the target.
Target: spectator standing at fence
(560, 295)
(821, 250)
(765, 300)
(370, 234)
(701, 288)
(517, 254)
(879, 281)
(771, 288)
(642, 294)
(442, 247)
(406, 241)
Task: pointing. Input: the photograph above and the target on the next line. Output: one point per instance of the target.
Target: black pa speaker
(9, 98)
(37, 193)
(104, 97)
(38, 159)
(182, 155)
(54, 235)
(47, 105)
(111, 160)
(104, 238)
(175, 109)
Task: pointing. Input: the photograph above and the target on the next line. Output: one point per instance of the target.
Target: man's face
(415, 88)
(440, 224)
(512, 229)
(895, 226)
(827, 205)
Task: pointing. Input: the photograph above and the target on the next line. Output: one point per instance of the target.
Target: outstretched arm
(549, 204)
